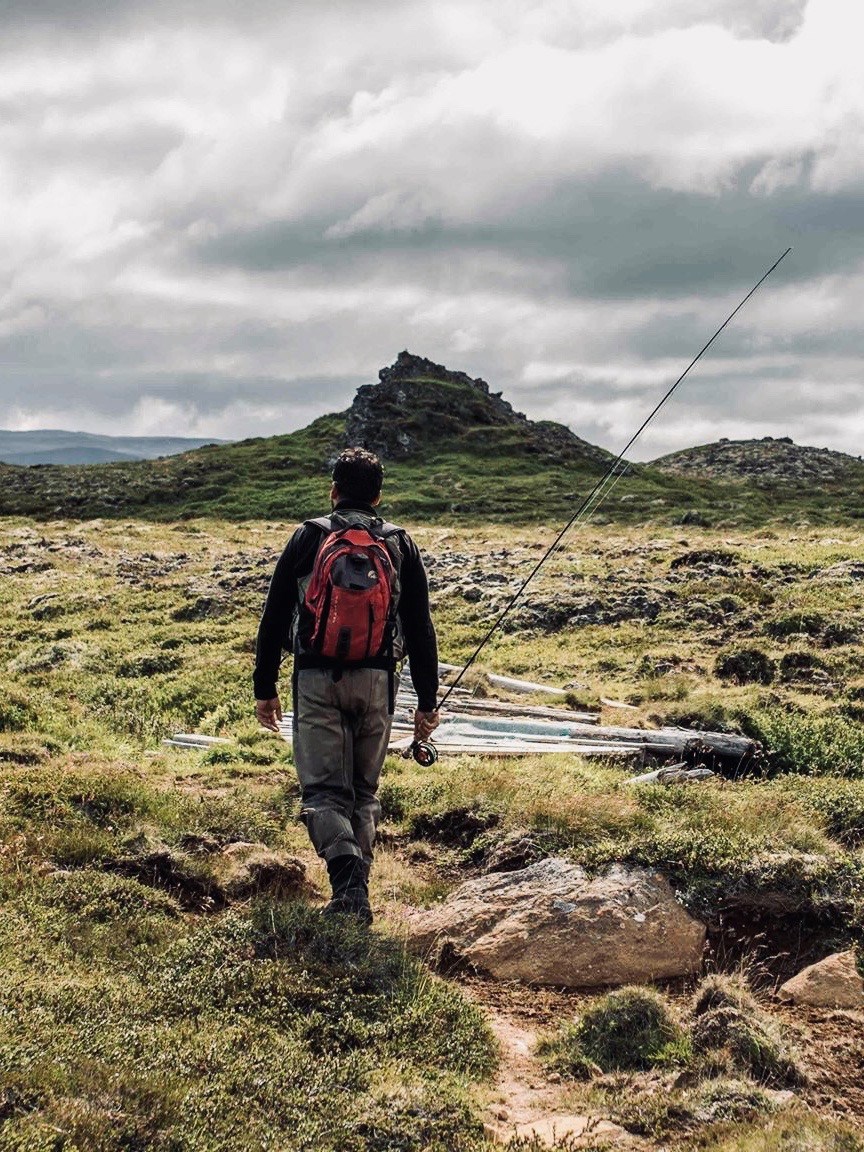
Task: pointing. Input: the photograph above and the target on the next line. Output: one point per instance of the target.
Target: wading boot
(349, 880)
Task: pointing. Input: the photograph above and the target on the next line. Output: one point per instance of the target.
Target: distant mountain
(55, 446)
(766, 461)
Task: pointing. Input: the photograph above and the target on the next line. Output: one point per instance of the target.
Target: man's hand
(425, 724)
(268, 712)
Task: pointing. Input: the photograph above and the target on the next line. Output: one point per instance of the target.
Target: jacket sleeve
(275, 627)
(417, 627)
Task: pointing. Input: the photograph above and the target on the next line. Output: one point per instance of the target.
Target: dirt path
(525, 1099)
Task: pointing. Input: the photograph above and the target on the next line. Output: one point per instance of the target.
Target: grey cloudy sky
(220, 220)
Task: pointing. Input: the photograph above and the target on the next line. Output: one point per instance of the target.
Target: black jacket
(296, 562)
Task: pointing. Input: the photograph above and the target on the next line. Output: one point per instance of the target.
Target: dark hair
(358, 474)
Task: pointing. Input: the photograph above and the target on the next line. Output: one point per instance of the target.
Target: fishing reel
(425, 753)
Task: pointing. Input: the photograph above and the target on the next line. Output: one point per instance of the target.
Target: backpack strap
(383, 529)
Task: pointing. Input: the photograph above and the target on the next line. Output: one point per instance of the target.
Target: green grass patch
(331, 1037)
(807, 744)
(629, 1029)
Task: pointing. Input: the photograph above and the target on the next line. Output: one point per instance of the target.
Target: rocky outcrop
(767, 460)
(417, 402)
(552, 924)
(834, 982)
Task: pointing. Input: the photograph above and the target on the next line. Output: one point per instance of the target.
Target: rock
(552, 924)
(417, 402)
(832, 983)
(516, 850)
(556, 1130)
(765, 461)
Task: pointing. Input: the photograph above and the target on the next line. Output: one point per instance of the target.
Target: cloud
(234, 222)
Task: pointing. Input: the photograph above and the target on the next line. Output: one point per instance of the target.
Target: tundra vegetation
(146, 1002)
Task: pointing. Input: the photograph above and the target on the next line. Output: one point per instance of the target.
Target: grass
(125, 1026)
(660, 1069)
(629, 1029)
(731, 1035)
(794, 1132)
(146, 1006)
(724, 1034)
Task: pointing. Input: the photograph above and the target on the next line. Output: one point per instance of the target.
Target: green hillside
(452, 451)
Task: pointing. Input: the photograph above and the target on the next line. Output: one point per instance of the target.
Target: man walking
(345, 676)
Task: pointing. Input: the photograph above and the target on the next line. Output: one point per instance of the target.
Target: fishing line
(603, 486)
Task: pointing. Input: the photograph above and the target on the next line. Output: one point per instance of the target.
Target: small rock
(555, 1130)
(832, 983)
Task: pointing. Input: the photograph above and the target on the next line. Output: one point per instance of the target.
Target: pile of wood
(482, 727)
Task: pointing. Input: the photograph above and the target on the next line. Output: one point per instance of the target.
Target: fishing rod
(426, 753)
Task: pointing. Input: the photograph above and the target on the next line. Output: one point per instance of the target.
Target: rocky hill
(766, 461)
(417, 403)
(453, 450)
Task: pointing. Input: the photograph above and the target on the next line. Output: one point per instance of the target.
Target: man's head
(357, 476)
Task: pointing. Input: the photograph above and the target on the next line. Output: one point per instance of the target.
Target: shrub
(26, 748)
(722, 992)
(148, 664)
(837, 633)
(730, 1100)
(744, 1041)
(795, 623)
(800, 665)
(100, 898)
(839, 804)
(807, 744)
(631, 1028)
(745, 666)
(15, 710)
(733, 1035)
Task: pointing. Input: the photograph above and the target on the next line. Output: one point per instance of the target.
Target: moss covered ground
(142, 1005)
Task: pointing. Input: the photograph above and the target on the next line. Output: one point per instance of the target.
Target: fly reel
(424, 753)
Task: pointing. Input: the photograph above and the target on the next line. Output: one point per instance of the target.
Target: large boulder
(553, 924)
(832, 983)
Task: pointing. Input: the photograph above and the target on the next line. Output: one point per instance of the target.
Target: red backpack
(348, 612)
